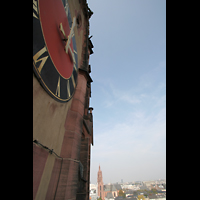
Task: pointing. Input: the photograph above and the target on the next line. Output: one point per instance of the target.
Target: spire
(99, 167)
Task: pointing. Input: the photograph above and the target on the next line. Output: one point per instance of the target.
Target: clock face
(55, 59)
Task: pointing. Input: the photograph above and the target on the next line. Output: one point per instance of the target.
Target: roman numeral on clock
(68, 88)
(58, 88)
(44, 59)
(35, 14)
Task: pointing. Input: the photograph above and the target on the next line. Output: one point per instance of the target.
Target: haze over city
(129, 89)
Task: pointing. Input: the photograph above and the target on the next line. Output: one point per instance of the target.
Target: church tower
(100, 184)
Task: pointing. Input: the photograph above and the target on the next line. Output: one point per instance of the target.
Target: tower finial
(99, 167)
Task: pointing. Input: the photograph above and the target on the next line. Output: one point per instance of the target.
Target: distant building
(109, 196)
(93, 187)
(93, 192)
(100, 184)
(112, 189)
(106, 192)
(157, 197)
(149, 184)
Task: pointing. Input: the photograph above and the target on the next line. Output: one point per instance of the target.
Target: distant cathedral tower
(100, 184)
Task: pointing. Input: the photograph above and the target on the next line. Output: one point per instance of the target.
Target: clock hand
(62, 31)
(69, 38)
(72, 54)
(70, 35)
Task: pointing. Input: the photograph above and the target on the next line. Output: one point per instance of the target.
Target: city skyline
(151, 189)
(129, 89)
(121, 181)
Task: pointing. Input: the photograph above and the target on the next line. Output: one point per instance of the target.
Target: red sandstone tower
(100, 184)
(62, 116)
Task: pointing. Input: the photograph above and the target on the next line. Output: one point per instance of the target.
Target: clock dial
(55, 59)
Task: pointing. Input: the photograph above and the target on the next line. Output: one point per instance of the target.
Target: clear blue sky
(129, 89)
